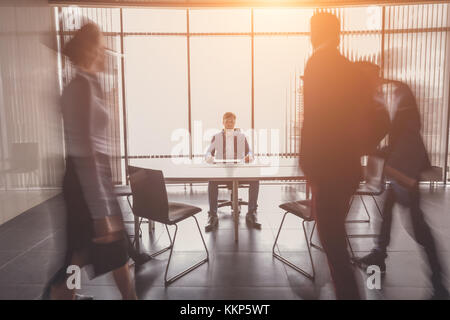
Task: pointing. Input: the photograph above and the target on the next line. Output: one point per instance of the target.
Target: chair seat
(301, 209)
(432, 174)
(368, 190)
(180, 211)
(122, 191)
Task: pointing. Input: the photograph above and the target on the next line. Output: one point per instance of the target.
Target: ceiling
(233, 3)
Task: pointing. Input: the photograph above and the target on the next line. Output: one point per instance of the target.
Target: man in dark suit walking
(406, 158)
(330, 150)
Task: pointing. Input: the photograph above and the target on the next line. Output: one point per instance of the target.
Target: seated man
(230, 144)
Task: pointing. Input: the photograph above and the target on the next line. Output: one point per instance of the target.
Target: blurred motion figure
(95, 229)
(406, 158)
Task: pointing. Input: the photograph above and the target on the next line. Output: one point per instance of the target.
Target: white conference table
(182, 170)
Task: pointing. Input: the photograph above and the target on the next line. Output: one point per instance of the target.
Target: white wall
(29, 92)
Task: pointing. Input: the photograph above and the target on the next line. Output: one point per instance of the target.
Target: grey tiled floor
(32, 248)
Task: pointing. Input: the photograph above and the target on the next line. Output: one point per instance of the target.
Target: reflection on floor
(32, 247)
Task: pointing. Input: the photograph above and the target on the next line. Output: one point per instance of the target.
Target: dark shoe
(440, 293)
(213, 222)
(46, 295)
(376, 257)
(58, 277)
(141, 258)
(252, 220)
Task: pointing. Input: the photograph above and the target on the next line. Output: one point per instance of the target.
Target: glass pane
(279, 63)
(73, 18)
(361, 18)
(156, 93)
(282, 20)
(416, 16)
(418, 60)
(220, 82)
(362, 47)
(154, 20)
(220, 20)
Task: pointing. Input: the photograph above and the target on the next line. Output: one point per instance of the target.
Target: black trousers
(421, 231)
(330, 206)
(80, 231)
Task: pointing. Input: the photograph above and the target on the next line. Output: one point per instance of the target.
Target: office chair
(229, 203)
(150, 201)
(302, 210)
(125, 191)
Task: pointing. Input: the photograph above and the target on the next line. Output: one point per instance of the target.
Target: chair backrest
(132, 169)
(149, 195)
(374, 173)
(24, 156)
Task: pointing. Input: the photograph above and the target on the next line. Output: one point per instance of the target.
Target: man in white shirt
(230, 144)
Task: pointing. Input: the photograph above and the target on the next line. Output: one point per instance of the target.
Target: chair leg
(136, 226)
(359, 220)
(376, 204)
(191, 268)
(203, 239)
(287, 262)
(369, 235)
(309, 249)
(350, 246)
(278, 233)
(311, 236)
(321, 249)
(136, 233)
(166, 248)
(365, 209)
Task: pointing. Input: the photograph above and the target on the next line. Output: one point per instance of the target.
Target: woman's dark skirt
(102, 257)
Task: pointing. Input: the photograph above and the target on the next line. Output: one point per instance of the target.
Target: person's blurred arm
(248, 152)
(209, 157)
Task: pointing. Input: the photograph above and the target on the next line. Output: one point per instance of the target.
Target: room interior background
(177, 67)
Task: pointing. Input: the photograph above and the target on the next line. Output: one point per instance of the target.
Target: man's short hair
(228, 115)
(325, 27)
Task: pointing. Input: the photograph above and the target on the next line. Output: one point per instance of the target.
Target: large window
(156, 92)
(183, 68)
(417, 52)
(220, 82)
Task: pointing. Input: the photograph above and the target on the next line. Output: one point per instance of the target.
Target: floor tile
(32, 247)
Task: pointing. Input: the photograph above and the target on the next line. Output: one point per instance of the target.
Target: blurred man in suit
(406, 158)
(330, 152)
